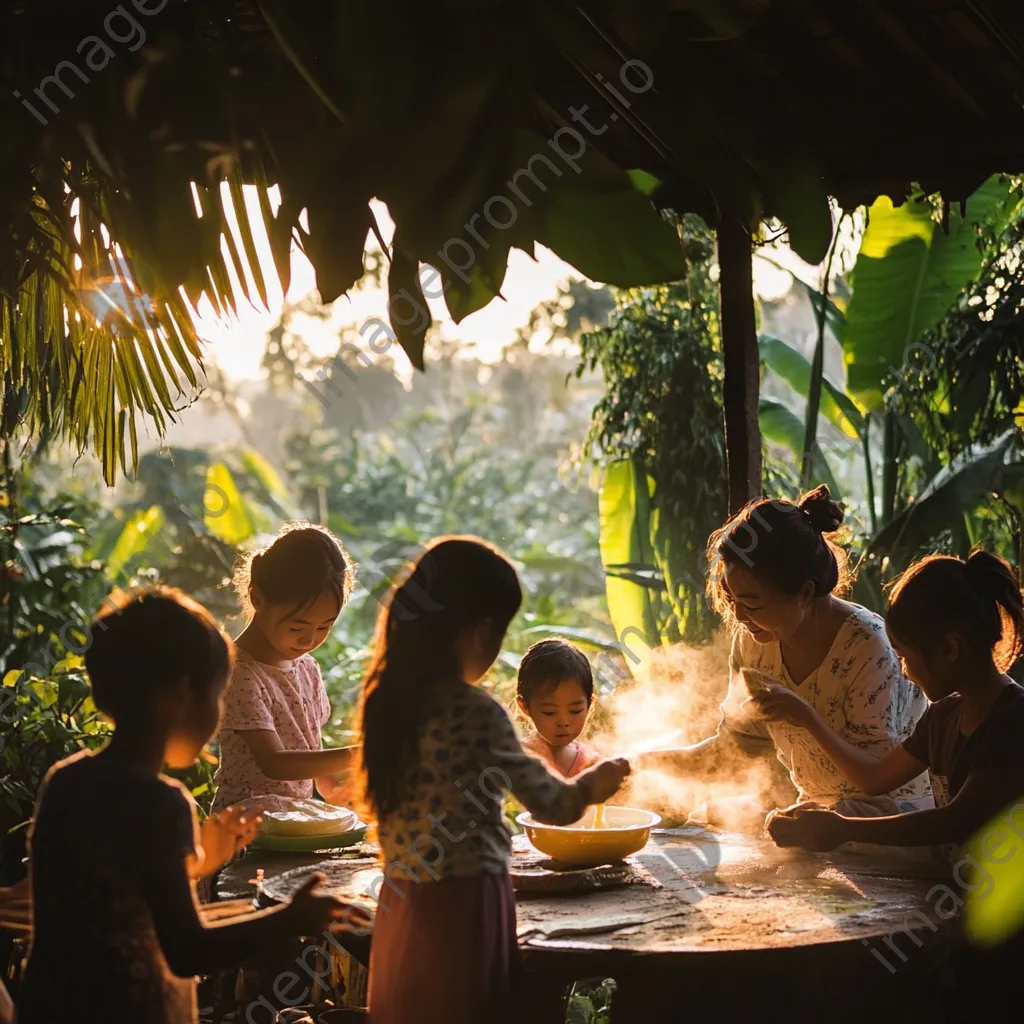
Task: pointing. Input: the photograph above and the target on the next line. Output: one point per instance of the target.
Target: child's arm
(549, 798)
(981, 797)
(292, 765)
(192, 948)
(871, 775)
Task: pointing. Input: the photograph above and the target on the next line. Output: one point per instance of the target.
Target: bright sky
(236, 344)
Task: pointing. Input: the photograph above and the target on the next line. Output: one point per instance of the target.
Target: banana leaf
(136, 536)
(781, 426)
(795, 369)
(907, 275)
(953, 492)
(624, 508)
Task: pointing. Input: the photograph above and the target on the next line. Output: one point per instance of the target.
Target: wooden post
(742, 364)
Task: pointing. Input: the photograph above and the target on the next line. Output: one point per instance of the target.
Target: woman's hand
(225, 834)
(781, 705)
(810, 829)
(605, 779)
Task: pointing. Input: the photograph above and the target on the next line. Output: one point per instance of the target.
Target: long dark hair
(455, 584)
(980, 599)
(783, 544)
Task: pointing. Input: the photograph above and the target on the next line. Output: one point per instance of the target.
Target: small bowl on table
(626, 831)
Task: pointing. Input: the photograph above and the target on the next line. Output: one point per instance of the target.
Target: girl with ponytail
(958, 626)
(439, 756)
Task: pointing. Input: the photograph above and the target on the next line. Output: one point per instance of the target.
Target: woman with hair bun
(774, 573)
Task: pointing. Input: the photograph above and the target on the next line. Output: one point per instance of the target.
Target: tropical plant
(187, 512)
(45, 720)
(916, 279)
(123, 199)
(658, 431)
(972, 388)
(48, 584)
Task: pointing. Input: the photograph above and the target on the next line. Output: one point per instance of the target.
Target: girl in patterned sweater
(276, 705)
(439, 757)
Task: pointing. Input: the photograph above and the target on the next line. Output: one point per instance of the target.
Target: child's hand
(810, 829)
(224, 834)
(778, 704)
(309, 913)
(339, 790)
(605, 779)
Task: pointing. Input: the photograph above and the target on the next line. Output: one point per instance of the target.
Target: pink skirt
(445, 954)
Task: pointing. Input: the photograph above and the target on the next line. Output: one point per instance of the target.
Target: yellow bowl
(626, 830)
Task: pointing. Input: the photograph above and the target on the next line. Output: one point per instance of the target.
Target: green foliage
(635, 601)
(48, 581)
(187, 512)
(453, 460)
(967, 385)
(662, 412)
(49, 719)
(939, 435)
(782, 427)
(908, 274)
(590, 1002)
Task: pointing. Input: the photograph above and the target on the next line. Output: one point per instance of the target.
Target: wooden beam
(742, 364)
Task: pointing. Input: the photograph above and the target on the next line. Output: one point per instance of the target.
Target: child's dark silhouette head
(555, 689)
(296, 587)
(443, 623)
(772, 561)
(158, 658)
(949, 618)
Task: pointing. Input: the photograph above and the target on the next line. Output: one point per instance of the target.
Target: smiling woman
(776, 574)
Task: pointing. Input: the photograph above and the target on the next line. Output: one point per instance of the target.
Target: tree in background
(658, 433)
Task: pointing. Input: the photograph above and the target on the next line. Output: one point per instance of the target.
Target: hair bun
(826, 516)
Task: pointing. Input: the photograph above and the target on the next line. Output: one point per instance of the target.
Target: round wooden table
(714, 922)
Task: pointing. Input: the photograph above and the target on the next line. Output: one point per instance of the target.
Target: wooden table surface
(716, 892)
(761, 908)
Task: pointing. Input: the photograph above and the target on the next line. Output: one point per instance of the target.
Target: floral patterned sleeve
(246, 704)
(547, 797)
(871, 703)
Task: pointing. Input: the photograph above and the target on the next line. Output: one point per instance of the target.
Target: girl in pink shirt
(555, 690)
(276, 704)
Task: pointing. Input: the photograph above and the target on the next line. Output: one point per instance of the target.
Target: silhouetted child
(115, 848)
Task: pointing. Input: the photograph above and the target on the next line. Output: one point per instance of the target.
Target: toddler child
(555, 690)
